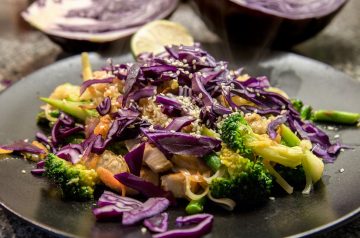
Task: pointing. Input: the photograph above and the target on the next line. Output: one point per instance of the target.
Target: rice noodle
(226, 203)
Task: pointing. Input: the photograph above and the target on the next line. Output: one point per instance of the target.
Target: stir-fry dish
(177, 125)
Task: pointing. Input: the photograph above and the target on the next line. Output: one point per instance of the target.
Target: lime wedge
(153, 36)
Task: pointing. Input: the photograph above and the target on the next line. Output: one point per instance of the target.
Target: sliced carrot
(108, 179)
(92, 162)
(40, 146)
(2, 151)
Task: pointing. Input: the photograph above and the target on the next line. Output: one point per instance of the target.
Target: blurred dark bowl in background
(244, 26)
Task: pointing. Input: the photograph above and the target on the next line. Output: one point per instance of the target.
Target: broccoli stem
(72, 108)
(195, 206)
(288, 136)
(341, 117)
(210, 133)
(213, 161)
(335, 116)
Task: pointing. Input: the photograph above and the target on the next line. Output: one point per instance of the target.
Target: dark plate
(336, 199)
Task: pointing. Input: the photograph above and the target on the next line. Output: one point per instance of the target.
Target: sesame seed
(143, 230)
(341, 170)
(23, 171)
(336, 136)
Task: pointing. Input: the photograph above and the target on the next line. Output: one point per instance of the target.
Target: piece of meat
(155, 159)
(132, 143)
(190, 163)
(176, 184)
(149, 176)
(114, 163)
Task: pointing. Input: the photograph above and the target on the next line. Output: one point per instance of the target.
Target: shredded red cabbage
(134, 159)
(179, 122)
(111, 205)
(42, 138)
(204, 225)
(182, 143)
(104, 107)
(38, 171)
(64, 127)
(22, 147)
(151, 207)
(145, 188)
(145, 92)
(90, 82)
(157, 223)
(170, 106)
(273, 125)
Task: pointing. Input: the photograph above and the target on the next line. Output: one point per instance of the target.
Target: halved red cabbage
(151, 207)
(291, 9)
(157, 223)
(203, 226)
(95, 20)
(271, 24)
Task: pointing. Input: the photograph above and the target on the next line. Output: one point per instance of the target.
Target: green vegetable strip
(213, 161)
(72, 108)
(288, 136)
(195, 206)
(336, 116)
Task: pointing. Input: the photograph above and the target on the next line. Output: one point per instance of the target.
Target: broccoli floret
(75, 180)
(238, 135)
(247, 182)
(233, 132)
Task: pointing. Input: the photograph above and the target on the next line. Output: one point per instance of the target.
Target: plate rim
(341, 221)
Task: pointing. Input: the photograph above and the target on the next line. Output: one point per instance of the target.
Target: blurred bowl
(264, 23)
(87, 25)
